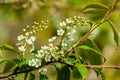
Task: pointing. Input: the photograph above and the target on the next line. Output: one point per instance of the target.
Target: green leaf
(94, 8)
(83, 70)
(89, 48)
(26, 75)
(9, 66)
(9, 48)
(99, 72)
(43, 77)
(91, 52)
(76, 73)
(69, 60)
(64, 74)
(31, 76)
(116, 36)
(2, 60)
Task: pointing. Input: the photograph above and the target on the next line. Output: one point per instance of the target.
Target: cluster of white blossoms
(27, 39)
(68, 30)
(51, 52)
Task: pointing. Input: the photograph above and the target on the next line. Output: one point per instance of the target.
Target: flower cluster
(51, 52)
(27, 39)
(68, 29)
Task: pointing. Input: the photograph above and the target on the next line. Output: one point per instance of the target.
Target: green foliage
(9, 66)
(43, 77)
(72, 55)
(9, 48)
(91, 52)
(2, 60)
(64, 73)
(83, 70)
(31, 76)
(116, 36)
(96, 11)
(69, 60)
(94, 8)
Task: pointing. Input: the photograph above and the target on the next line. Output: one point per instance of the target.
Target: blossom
(60, 32)
(40, 54)
(42, 70)
(62, 24)
(21, 48)
(37, 63)
(30, 40)
(52, 39)
(69, 21)
(20, 37)
(31, 62)
(27, 33)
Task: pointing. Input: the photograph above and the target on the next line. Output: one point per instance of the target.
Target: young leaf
(2, 60)
(9, 66)
(9, 48)
(90, 51)
(43, 77)
(116, 37)
(94, 8)
(69, 60)
(89, 48)
(83, 70)
(31, 76)
(64, 74)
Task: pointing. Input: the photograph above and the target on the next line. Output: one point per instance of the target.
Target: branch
(93, 27)
(59, 61)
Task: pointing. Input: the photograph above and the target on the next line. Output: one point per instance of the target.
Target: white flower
(29, 41)
(48, 58)
(32, 38)
(20, 37)
(26, 33)
(60, 32)
(42, 70)
(31, 62)
(45, 48)
(62, 24)
(69, 21)
(64, 44)
(37, 63)
(40, 54)
(52, 39)
(21, 48)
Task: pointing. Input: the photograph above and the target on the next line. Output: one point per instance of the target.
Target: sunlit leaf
(2, 60)
(9, 48)
(69, 60)
(64, 74)
(89, 48)
(83, 70)
(116, 36)
(94, 8)
(90, 51)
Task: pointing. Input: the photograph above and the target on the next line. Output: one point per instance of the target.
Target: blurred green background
(16, 14)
